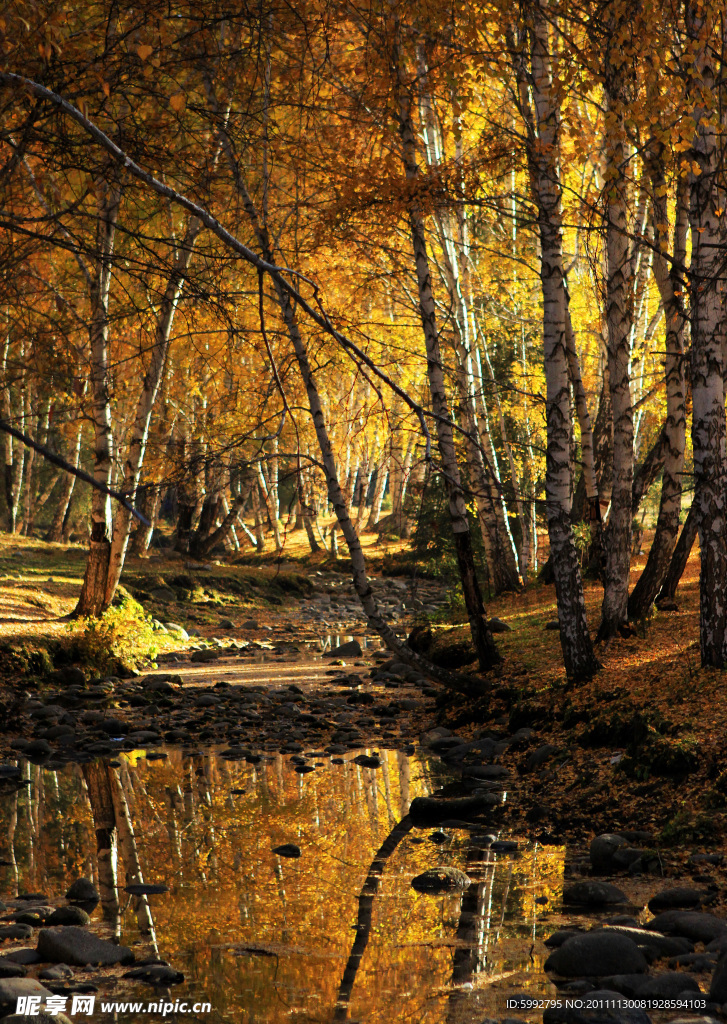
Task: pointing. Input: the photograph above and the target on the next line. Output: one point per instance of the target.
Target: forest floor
(643, 746)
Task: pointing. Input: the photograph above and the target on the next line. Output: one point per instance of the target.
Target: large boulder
(76, 946)
(692, 924)
(655, 943)
(668, 986)
(82, 890)
(676, 898)
(69, 915)
(596, 954)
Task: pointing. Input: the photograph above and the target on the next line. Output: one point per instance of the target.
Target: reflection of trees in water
(365, 911)
(215, 849)
(107, 846)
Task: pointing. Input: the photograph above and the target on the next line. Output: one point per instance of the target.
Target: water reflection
(336, 934)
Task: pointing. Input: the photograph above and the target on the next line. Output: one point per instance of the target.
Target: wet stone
(16, 931)
(426, 810)
(365, 761)
(602, 851)
(627, 984)
(595, 954)
(69, 915)
(59, 972)
(287, 850)
(441, 880)
(718, 987)
(156, 974)
(78, 947)
(11, 970)
(691, 924)
(657, 944)
(11, 989)
(677, 898)
(668, 985)
(24, 956)
(146, 889)
(351, 649)
(557, 939)
(593, 894)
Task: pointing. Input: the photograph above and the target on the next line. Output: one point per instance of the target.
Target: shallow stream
(266, 938)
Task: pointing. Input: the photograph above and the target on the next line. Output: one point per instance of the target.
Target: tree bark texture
(706, 222)
(543, 157)
(617, 538)
(669, 280)
(91, 600)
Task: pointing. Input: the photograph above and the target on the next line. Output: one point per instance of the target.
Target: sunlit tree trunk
(130, 854)
(145, 406)
(543, 125)
(481, 476)
(484, 645)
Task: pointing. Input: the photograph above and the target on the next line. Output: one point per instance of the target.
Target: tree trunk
(482, 638)
(382, 473)
(151, 500)
(268, 499)
(259, 535)
(679, 559)
(706, 221)
(358, 562)
(617, 539)
(481, 476)
(145, 406)
(93, 591)
(104, 823)
(543, 126)
(669, 282)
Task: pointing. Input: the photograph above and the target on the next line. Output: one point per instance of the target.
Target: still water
(320, 937)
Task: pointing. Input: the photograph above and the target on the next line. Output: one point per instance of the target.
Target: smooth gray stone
(78, 947)
(602, 849)
(593, 894)
(692, 924)
(677, 898)
(12, 988)
(596, 954)
(657, 944)
(668, 985)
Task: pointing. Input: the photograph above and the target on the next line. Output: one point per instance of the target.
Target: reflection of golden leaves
(275, 949)
(145, 51)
